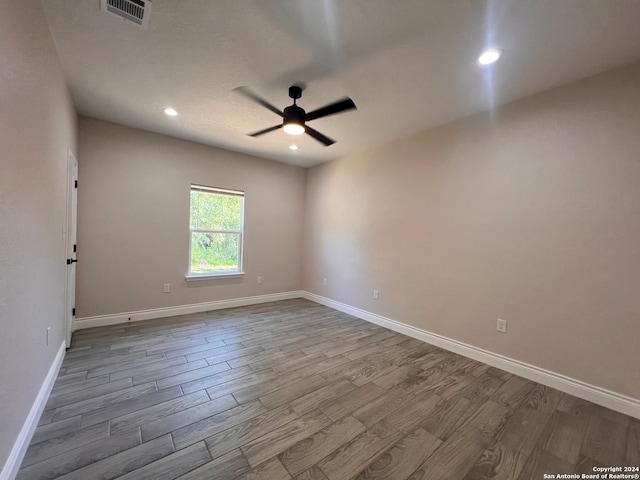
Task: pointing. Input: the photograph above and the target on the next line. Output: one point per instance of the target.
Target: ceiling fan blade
(318, 136)
(266, 130)
(336, 107)
(251, 95)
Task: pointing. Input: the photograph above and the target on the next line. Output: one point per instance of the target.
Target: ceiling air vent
(136, 11)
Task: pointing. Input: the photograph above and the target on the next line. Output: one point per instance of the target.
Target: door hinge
(73, 311)
(75, 184)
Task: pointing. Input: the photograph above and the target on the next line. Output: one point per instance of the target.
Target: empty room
(320, 239)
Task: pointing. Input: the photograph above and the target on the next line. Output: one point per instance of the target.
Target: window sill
(212, 276)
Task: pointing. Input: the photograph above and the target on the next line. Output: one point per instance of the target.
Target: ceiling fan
(295, 118)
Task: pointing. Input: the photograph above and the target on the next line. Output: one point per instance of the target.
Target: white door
(72, 210)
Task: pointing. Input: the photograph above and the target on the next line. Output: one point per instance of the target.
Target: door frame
(71, 248)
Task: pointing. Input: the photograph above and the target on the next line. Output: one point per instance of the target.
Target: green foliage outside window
(216, 224)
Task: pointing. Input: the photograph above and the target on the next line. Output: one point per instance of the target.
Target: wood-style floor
(297, 390)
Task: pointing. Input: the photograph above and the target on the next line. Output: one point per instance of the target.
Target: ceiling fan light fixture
(293, 122)
(489, 56)
(293, 128)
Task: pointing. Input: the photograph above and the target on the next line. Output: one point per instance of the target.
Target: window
(216, 228)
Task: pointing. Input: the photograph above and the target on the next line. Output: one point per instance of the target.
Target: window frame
(240, 233)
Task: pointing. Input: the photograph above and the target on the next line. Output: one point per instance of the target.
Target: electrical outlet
(324, 281)
(259, 280)
(48, 334)
(167, 288)
(502, 326)
(375, 294)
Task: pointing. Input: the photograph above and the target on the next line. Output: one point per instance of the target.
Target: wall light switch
(259, 279)
(502, 326)
(376, 294)
(167, 288)
(324, 281)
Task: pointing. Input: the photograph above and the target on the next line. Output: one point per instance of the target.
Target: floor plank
(279, 439)
(506, 457)
(196, 423)
(271, 470)
(457, 454)
(124, 462)
(403, 458)
(352, 457)
(86, 454)
(52, 447)
(312, 449)
(160, 411)
(173, 465)
(226, 467)
(245, 432)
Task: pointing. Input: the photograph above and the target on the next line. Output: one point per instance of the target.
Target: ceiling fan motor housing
(293, 114)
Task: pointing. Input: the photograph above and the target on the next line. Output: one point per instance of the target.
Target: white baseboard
(12, 465)
(102, 320)
(606, 398)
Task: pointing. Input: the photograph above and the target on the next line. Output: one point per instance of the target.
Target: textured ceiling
(408, 64)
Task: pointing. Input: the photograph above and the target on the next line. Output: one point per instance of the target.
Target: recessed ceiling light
(293, 147)
(170, 111)
(489, 56)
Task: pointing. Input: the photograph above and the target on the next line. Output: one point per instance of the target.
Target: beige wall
(37, 125)
(530, 213)
(133, 220)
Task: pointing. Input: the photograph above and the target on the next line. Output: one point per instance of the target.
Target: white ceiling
(408, 64)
